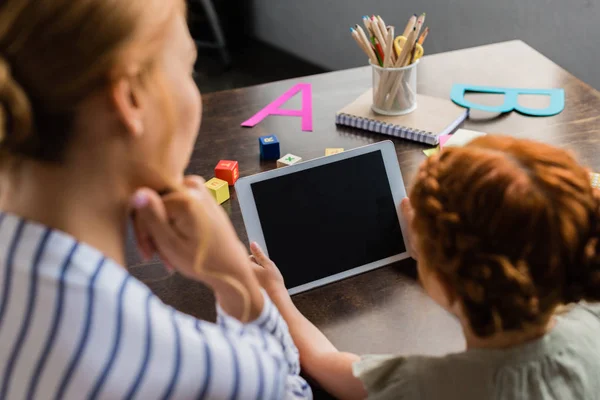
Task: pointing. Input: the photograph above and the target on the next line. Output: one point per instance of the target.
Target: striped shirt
(76, 325)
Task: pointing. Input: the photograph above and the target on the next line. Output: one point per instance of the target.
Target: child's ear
(442, 292)
(125, 95)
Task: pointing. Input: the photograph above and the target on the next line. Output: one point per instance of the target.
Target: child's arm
(320, 359)
(318, 356)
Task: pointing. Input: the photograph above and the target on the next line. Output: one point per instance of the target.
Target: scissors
(399, 43)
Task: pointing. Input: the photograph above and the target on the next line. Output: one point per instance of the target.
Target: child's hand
(268, 274)
(408, 213)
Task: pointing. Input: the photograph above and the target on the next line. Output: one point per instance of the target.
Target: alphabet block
(219, 190)
(269, 147)
(228, 171)
(287, 160)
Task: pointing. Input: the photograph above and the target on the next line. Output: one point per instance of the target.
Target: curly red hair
(512, 226)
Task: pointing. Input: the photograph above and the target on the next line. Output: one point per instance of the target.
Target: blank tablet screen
(329, 219)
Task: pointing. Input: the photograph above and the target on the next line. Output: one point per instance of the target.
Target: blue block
(269, 147)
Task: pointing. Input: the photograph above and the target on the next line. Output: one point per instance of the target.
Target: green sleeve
(388, 377)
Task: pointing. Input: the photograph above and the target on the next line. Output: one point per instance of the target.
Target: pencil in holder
(394, 89)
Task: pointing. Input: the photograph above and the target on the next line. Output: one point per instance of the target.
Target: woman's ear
(126, 98)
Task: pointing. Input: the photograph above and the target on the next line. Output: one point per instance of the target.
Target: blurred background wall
(315, 33)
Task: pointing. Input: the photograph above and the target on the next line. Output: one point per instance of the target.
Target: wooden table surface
(383, 311)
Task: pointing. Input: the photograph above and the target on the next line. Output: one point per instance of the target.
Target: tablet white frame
(245, 197)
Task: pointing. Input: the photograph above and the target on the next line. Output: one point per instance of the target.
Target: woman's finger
(196, 186)
(153, 219)
(193, 182)
(144, 243)
(183, 214)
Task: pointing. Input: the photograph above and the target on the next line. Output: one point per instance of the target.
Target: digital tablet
(329, 218)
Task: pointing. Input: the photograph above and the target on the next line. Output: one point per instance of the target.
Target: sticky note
(332, 151)
(461, 137)
(595, 180)
(443, 140)
(430, 152)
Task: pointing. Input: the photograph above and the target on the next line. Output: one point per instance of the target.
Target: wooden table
(382, 311)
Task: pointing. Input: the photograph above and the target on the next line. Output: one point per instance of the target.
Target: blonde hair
(513, 226)
(54, 53)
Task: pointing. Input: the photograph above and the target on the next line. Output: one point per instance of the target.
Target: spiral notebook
(434, 117)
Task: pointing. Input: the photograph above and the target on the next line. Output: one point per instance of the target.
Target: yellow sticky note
(462, 137)
(332, 151)
(218, 189)
(430, 152)
(595, 180)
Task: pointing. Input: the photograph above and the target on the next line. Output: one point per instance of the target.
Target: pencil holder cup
(394, 89)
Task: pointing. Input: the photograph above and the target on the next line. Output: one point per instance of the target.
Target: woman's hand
(173, 225)
(268, 274)
(408, 213)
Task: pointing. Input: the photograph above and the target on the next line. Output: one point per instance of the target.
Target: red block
(229, 171)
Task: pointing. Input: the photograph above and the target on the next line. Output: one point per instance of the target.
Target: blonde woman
(98, 114)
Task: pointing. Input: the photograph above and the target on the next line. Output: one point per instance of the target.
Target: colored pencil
(389, 49)
(377, 42)
(366, 44)
(410, 25)
(423, 36)
(383, 28)
(367, 24)
(419, 24)
(378, 50)
(378, 34)
(411, 43)
(407, 49)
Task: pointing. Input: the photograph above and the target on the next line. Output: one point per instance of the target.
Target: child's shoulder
(421, 377)
(592, 308)
(582, 317)
(480, 373)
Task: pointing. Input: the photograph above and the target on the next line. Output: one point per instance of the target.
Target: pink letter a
(274, 107)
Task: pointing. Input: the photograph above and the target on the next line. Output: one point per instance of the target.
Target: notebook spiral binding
(387, 129)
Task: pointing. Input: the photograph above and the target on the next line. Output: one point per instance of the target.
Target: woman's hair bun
(15, 109)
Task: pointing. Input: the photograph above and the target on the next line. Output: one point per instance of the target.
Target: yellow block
(330, 152)
(219, 190)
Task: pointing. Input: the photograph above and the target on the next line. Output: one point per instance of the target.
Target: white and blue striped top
(76, 325)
